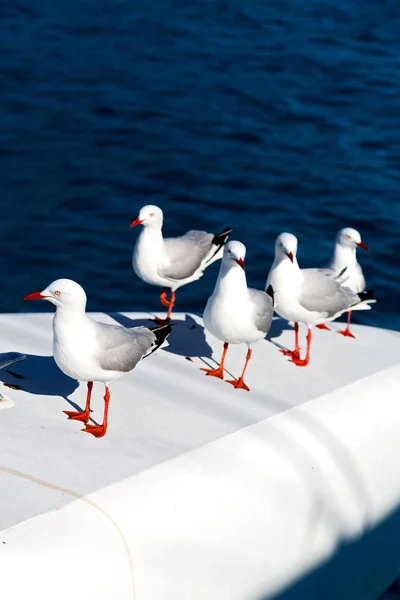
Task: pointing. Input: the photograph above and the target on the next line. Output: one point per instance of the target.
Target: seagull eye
(57, 293)
(151, 215)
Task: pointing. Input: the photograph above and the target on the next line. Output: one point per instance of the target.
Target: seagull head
(234, 252)
(63, 293)
(350, 238)
(286, 246)
(149, 215)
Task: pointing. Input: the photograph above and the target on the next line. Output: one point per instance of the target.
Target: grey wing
(354, 279)
(120, 349)
(185, 254)
(263, 309)
(323, 294)
(340, 277)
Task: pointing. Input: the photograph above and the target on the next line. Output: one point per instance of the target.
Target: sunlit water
(259, 117)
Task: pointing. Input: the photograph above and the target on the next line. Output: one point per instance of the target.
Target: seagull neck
(285, 263)
(231, 279)
(287, 273)
(343, 256)
(67, 314)
(151, 235)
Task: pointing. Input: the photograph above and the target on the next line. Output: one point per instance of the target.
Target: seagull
(236, 314)
(87, 350)
(172, 262)
(345, 267)
(307, 295)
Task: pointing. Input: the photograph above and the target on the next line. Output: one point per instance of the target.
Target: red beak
(290, 255)
(362, 245)
(35, 296)
(240, 262)
(136, 222)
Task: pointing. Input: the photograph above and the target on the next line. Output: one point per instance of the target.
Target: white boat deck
(162, 409)
(200, 491)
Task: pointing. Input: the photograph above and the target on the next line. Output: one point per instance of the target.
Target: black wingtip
(367, 295)
(270, 292)
(220, 238)
(162, 332)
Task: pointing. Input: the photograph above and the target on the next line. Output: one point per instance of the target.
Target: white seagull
(307, 295)
(172, 262)
(87, 350)
(236, 314)
(345, 268)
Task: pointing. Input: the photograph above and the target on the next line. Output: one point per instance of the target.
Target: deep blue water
(265, 116)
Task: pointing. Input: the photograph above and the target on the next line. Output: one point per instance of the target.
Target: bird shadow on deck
(39, 375)
(278, 326)
(186, 339)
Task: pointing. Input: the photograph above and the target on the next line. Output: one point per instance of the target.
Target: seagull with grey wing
(172, 262)
(236, 314)
(87, 350)
(307, 295)
(345, 268)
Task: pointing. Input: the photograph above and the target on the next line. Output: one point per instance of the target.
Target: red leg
(346, 332)
(100, 430)
(83, 415)
(239, 383)
(323, 326)
(296, 352)
(304, 362)
(220, 371)
(170, 303)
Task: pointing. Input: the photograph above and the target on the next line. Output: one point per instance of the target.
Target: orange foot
(323, 326)
(96, 430)
(300, 362)
(215, 372)
(238, 384)
(74, 415)
(163, 299)
(347, 333)
(295, 354)
(160, 321)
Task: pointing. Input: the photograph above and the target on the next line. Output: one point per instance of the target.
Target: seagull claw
(347, 333)
(239, 384)
(295, 354)
(96, 430)
(78, 415)
(300, 362)
(214, 372)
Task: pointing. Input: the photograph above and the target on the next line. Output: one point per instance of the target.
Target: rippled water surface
(265, 116)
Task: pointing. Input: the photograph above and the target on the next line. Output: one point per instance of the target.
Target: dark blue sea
(264, 116)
